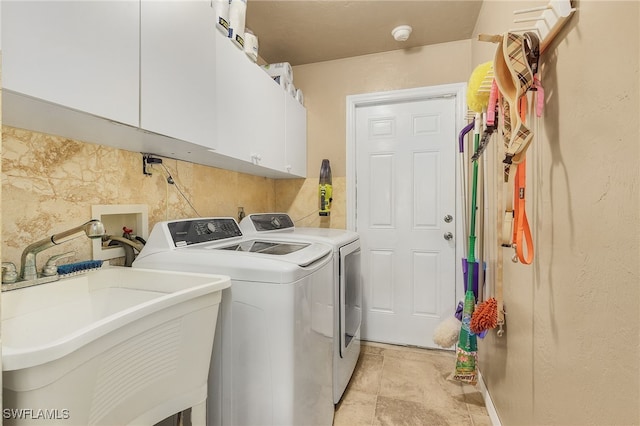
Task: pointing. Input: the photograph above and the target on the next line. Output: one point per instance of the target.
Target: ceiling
(308, 31)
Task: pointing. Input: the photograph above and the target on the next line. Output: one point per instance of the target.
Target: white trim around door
(455, 90)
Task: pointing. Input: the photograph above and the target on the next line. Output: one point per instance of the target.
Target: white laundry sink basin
(114, 346)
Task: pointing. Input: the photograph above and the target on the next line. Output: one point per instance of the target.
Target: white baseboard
(491, 409)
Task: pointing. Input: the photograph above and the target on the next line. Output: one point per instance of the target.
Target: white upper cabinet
(295, 137)
(178, 70)
(80, 68)
(82, 55)
(250, 110)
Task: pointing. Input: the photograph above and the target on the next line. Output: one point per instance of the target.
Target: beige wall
(50, 183)
(570, 354)
(326, 86)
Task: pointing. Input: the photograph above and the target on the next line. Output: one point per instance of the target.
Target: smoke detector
(401, 33)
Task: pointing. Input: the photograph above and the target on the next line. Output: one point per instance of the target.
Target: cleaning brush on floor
(446, 333)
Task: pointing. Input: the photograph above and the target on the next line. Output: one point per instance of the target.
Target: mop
(446, 333)
(467, 351)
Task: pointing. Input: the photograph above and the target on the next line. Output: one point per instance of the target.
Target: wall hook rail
(548, 23)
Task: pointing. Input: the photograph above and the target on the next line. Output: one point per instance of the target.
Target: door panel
(381, 192)
(425, 295)
(405, 174)
(425, 189)
(381, 280)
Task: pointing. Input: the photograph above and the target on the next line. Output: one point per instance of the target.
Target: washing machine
(347, 284)
(272, 355)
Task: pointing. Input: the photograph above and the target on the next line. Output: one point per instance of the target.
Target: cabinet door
(295, 137)
(250, 110)
(178, 70)
(80, 54)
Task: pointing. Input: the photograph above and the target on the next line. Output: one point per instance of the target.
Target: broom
(467, 351)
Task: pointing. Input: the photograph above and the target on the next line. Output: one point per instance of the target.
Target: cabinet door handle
(256, 158)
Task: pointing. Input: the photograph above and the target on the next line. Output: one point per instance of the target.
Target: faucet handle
(9, 273)
(51, 269)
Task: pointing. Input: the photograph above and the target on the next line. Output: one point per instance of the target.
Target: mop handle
(472, 230)
(463, 133)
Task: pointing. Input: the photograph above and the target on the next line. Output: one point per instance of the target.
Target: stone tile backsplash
(49, 184)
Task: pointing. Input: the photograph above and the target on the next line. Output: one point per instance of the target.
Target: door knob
(448, 218)
(448, 236)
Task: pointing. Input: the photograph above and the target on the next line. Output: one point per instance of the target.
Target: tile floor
(397, 385)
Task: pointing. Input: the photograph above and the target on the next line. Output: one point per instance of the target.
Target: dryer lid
(282, 225)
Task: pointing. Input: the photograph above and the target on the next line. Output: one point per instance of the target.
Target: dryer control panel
(271, 221)
(195, 231)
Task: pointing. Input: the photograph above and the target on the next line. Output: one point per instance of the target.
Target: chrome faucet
(28, 271)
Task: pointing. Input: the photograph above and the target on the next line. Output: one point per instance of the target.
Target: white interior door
(405, 157)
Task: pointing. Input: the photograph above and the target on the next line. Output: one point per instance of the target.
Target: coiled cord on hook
(172, 181)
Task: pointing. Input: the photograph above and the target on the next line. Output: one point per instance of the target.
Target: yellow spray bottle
(325, 188)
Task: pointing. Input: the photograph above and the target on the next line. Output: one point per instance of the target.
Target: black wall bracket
(148, 159)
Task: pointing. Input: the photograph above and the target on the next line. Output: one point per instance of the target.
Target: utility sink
(113, 346)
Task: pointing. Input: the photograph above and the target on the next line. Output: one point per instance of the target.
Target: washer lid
(266, 247)
(300, 254)
(239, 265)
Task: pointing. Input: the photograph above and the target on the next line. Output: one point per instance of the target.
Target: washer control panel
(195, 231)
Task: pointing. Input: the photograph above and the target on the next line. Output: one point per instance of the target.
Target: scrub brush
(485, 317)
(479, 87)
(77, 268)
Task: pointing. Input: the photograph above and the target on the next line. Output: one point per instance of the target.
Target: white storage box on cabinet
(178, 69)
(82, 55)
(251, 121)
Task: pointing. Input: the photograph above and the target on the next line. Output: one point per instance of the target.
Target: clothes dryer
(273, 348)
(347, 284)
